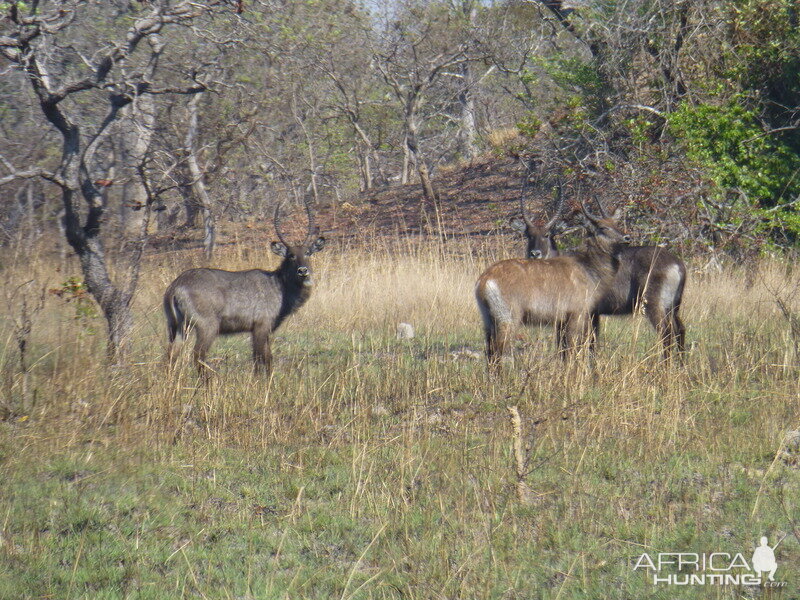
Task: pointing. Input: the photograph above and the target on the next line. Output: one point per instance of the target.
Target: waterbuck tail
(497, 318)
(176, 318)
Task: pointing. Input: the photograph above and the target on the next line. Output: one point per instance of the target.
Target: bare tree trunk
(312, 159)
(137, 125)
(114, 303)
(31, 213)
(466, 99)
(364, 167)
(198, 186)
(468, 133)
(413, 150)
(189, 203)
(406, 162)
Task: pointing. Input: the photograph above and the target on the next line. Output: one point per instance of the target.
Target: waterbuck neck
(600, 259)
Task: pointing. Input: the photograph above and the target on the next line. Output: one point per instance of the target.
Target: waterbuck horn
(600, 205)
(589, 215)
(560, 204)
(525, 185)
(313, 230)
(277, 223)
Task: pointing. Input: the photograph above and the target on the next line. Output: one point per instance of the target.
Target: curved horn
(560, 204)
(590, 216)
(600, 205)
(277, 222)
(525, 185)
(312, 226)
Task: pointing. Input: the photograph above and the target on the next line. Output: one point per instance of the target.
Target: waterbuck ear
(318, 245)
(518, 224)
(279, 249)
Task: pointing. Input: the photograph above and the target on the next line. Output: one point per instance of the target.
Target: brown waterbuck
(649, 278)
(540, 238)
(563, 291)
(214, 302)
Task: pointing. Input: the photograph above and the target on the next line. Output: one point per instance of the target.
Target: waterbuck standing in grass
(215, 302)
(649, 278)
(563, 291)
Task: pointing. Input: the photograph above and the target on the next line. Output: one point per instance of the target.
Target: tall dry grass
(346, 333)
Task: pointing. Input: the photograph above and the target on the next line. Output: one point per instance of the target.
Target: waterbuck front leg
(561, 339)
(576, 332)
(262, 351)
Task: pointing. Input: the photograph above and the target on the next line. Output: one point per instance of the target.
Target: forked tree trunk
(368, 156)
(114, 303)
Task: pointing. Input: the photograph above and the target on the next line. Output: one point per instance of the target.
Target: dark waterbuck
(649, 278)
(563, 291)
(214, 302)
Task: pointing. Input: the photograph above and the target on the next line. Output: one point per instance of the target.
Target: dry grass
(374, 467)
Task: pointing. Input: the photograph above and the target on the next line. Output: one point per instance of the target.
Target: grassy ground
(371, 467)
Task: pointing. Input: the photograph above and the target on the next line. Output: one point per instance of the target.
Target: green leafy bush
(731, 146)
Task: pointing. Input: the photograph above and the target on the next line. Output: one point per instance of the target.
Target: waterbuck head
(295, 268)
(607, 235)
(540, 238)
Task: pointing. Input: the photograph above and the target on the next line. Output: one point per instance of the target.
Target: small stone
(379, 410)
(405, 331)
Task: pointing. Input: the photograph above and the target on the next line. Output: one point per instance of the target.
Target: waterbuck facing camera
(540, 238)
(563, 291)
(215, 302)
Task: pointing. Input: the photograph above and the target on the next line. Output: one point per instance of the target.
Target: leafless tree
(36, 41)
(411, 59)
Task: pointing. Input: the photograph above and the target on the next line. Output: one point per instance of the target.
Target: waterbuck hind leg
(174, 351)
(262, 351)
(667, 328)
(497, 338)
(680, 331)
(176, 330)
(205, 337)
(675, 336)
